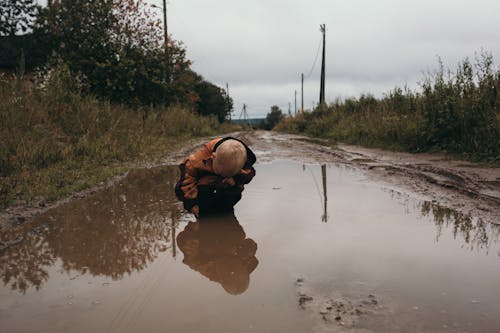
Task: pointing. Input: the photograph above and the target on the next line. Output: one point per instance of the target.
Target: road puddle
(309, 248)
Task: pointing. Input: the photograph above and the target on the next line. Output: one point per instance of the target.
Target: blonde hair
(231, 156)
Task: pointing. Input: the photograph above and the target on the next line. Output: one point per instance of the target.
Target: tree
(212, 100)
(118, 47)
(17, 16)
(273, 117)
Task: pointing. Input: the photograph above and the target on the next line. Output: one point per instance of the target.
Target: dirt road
(325, 239)
(469, 188)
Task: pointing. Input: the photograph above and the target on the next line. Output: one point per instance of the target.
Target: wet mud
(469, 188)
(319, 242)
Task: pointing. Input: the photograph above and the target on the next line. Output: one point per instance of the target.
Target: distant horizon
(261, 48)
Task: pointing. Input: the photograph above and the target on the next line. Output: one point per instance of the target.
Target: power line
(315, 59)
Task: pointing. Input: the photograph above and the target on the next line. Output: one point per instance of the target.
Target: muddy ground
(378, 257)
(469, 188)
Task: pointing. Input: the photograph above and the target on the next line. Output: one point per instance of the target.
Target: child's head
(229, 158)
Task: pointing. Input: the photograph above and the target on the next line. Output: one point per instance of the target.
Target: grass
(454, 112)
(55, 141)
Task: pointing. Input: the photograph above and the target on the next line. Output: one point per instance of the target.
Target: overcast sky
(261, 47)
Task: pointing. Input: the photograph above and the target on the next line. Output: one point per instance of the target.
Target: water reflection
(112, 233)
(323, 196)
(324, 217)
(476, 233)
(217, 248)
(473, 233)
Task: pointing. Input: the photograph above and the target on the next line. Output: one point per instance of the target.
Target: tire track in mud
(131, 309)
(469, 188)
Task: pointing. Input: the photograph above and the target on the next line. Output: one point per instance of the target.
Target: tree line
(115, 50)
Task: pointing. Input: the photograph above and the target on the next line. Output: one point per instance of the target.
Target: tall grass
(54, 140)
(456, 112)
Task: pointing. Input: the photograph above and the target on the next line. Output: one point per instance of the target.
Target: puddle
(310, 248)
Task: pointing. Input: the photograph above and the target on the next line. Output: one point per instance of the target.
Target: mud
(470, 188)
(20, 213)
(323, 241)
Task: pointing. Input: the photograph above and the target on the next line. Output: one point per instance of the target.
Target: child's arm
(186, 188)
(245, 176)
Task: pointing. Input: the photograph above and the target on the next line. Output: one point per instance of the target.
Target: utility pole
(302, 93)
(295, 102)
(245, 115)
(228, 98)
(322, 84)
(165, 36)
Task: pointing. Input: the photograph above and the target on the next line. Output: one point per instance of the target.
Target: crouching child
(213, 178)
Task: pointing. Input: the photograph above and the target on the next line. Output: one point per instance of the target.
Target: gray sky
(260, 47)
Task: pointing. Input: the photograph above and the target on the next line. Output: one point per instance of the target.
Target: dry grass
(54, 141)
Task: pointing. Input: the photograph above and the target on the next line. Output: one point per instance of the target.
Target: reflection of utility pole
(322, 84)
(302, 92)
(324, 218)
(172, 230)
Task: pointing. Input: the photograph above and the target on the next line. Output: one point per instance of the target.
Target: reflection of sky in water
(381, 239)
(473, 233)
(122, 229)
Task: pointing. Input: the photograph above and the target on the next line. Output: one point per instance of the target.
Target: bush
(457, 114)
(54, 131)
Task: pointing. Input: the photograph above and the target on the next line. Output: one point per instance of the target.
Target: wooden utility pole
(295, 102)
(165, 36)
(228, 98)
(302, 93)
(322, 84)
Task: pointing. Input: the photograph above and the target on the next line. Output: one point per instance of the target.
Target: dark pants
(213, 200)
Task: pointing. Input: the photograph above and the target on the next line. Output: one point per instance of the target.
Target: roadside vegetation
(88, 89)
(455, 112)
(55, 140)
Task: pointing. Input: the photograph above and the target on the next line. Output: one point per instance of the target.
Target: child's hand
(196, 210)
(229, 181)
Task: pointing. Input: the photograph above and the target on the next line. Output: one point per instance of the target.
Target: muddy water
(309, 248)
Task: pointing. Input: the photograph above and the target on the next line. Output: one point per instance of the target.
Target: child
(212, 179)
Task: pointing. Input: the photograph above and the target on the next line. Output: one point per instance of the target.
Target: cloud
(260, 47)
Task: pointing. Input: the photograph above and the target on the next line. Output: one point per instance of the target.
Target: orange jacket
(197, 169)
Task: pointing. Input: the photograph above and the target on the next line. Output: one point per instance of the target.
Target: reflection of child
(217, 248)
(212, 179)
